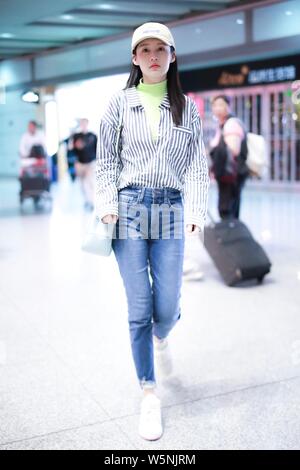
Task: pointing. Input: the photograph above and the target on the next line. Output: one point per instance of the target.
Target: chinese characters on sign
(270, 75)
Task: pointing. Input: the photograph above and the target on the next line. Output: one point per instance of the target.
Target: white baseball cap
(152, 31)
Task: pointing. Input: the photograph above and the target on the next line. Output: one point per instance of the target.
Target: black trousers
(230, 198)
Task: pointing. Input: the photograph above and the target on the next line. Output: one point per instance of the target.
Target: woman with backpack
(229, 156)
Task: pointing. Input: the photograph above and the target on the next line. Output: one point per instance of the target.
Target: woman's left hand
(193, 228)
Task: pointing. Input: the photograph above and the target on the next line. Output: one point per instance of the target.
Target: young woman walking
(154, 190)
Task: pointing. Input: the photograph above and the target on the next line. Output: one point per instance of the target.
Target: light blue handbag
(98, 239)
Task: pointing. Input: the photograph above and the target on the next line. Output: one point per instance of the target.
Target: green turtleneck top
(151, 97)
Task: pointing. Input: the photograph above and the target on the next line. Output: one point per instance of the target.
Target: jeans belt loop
(141, 195)
(166, 199)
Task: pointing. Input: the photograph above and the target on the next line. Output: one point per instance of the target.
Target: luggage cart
(35, 182)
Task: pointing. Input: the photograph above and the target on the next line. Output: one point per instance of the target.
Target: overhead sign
(277, 74)
(241, 75)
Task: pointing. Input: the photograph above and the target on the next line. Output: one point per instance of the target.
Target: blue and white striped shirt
(175, 160)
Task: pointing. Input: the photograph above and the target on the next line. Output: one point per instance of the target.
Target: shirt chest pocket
(179, 142)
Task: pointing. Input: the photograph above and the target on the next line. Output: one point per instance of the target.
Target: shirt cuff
(192, 219)
(110, 209)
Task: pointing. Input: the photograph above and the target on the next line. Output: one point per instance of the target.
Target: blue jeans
(149, 248)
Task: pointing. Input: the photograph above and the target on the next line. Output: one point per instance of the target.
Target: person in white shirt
(160, 165)
(32, 137)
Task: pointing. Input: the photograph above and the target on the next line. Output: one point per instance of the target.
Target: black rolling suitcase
(236, 254)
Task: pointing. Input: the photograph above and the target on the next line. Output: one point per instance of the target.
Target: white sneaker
(191, 271)
(150, 427)
(194, 276)
(188, 266)
(163, 358)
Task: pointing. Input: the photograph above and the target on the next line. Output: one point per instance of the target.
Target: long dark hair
(175, 94)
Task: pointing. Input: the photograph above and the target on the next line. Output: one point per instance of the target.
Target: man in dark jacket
(85, 148)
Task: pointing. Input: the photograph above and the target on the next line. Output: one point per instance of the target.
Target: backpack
(257, 159)
(224, 163)
(37, 151)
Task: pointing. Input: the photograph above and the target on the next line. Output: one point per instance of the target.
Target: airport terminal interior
(67, 377)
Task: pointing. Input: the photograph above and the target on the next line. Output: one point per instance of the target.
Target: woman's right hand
(110, 219)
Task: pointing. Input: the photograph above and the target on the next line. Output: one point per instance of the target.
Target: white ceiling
(31, 26)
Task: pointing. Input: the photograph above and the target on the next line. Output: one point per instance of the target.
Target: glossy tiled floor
(66, 374)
